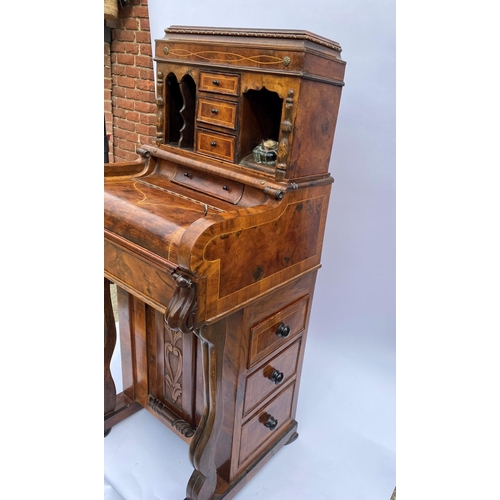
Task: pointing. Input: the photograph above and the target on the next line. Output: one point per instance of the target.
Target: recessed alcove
(261, 119)
(180, 100)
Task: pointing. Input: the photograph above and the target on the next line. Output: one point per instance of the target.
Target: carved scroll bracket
(283, 147)
(181, 312)
(160, 117)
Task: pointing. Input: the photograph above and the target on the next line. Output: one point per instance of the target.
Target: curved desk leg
(203, 481)
(109, 347)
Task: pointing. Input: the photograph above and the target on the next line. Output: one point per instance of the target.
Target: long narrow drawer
(266, 425)
(281, 327)
(269, 377)
(218, 145)
(220, 83)
(224, 189)
(218, 113)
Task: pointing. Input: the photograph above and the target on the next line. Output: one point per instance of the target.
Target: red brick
(125, 36)
(124, 81)
(124, 124)
(126, 135)
(124, 103)
(140, 11)
(118, 47)
(119, 92)
(148, 119)
(145, 107)
(132, 116)
(121, 155)
(146, 74)
(140, 95)
(128, 59)
(133, 72)
(144, 23)
(144, 139)
(107, 94)
(131, 24)
(124, 144)
(143, 37)
(119, 69)
(145, 85)
(144, 61)
(131, 48)
(120, 112)
(107, 107)
(145, 49)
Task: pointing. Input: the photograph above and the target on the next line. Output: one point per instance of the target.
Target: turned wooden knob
(271, 423)
(283, 330)
(277, 377)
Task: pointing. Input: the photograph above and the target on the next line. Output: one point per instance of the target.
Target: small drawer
(270, 334)
(271, 377)
(223, 189)
(218, 145)
(222, 84)
(266, 425)
(218, 113)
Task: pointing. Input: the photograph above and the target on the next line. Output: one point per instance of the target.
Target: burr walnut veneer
(215, 251)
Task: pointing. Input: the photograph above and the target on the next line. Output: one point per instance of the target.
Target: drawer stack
(271, 382)
(216, 115)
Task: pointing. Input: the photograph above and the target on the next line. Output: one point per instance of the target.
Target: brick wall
(129, 97)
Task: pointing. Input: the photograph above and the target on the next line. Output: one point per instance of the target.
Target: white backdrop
(346, 411)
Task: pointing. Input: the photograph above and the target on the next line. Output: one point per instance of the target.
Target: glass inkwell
(266, 152)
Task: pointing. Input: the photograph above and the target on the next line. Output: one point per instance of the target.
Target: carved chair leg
(109, 347)
(203, 481)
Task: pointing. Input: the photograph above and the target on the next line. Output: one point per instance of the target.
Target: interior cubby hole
(180, 111)
(261, 118)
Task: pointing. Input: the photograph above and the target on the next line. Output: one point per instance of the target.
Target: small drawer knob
(283, 331)
(271, 423)
(215, 82)
(215, 111)
(225, 188)
(187, 174)
(277, 377)
(213, 144)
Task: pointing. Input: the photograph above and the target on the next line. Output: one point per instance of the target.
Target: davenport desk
(214, 238)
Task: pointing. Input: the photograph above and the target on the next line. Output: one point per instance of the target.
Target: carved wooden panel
(172, 355)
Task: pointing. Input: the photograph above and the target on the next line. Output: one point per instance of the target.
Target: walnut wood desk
(214, 238)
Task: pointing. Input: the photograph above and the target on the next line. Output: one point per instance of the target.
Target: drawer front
(277, 330)
(218, 145)
(222, 84)
(217, 113)
(268, 378)
(223, 189)
(255, 434)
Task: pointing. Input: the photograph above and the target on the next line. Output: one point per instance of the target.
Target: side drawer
(269, 377)
(278, 329)
(218, 113)
(255, 434)
(218, 145)
(220, 83)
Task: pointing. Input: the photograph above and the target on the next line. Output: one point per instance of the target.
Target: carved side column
(180, 316)
(283, 147)
(160, 114)
(109, 347)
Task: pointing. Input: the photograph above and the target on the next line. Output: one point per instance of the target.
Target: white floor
(345, 449)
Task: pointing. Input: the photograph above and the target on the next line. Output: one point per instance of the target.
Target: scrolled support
(203, 481)
(181, 312)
